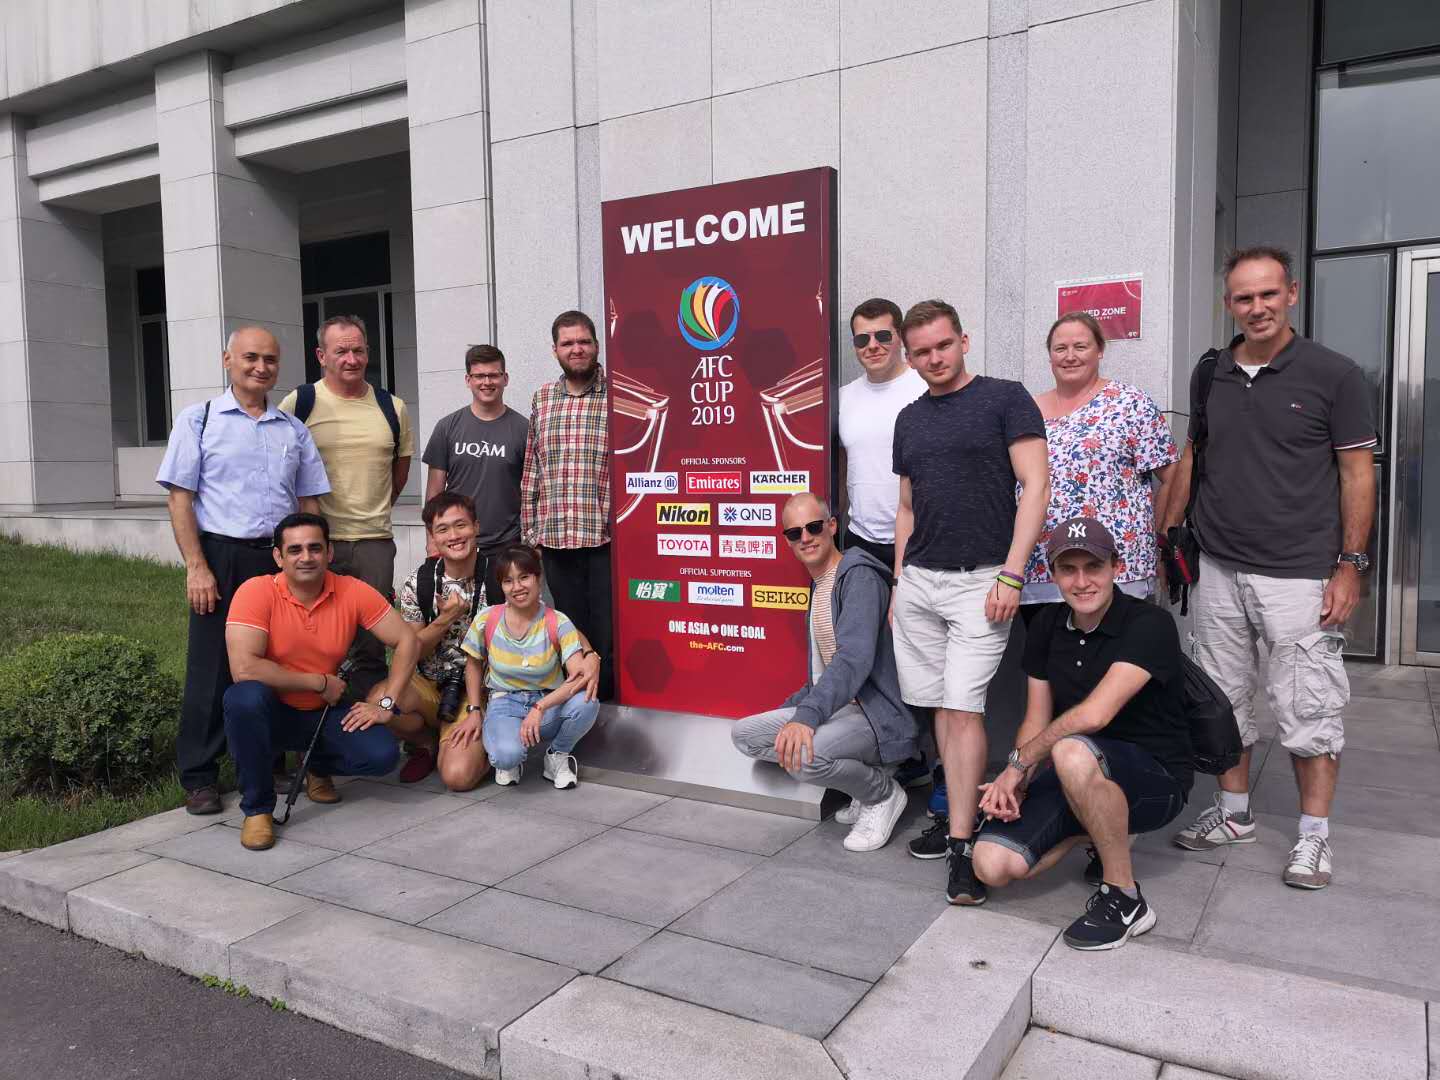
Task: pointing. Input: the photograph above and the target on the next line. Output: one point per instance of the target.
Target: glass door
(1417, 464)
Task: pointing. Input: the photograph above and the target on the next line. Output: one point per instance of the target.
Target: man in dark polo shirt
(1105, 708)
(1283, 515)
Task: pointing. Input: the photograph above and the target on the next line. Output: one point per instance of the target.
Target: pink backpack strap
(492, 624)
(552, 628)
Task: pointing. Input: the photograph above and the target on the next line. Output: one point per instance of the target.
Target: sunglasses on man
(884, 337)
(814, 528)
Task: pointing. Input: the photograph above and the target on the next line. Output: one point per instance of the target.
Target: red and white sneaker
(1216, 827)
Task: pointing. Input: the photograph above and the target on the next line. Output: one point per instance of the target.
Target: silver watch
(1357, 559)
(1014, 762)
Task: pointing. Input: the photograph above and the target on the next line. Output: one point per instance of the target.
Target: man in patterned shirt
(847, 727)
(565, 491)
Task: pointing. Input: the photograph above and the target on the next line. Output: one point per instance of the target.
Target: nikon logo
(682, 513)
(773, 596)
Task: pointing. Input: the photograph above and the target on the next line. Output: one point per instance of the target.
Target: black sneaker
(1111, 918)
(934, 842)
(913, 773)
(963, 887)
(1094, 870)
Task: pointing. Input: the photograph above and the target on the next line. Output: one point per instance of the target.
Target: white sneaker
(876, 821)
(1308, 866)
(509, 776)
(1216, 827)
(849, 813)
(561, 768)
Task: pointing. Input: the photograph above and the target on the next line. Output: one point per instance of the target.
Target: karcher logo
(784, 597)
(682, 513)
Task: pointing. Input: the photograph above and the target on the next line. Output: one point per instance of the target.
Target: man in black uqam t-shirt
(479, 451)
(1106, 708)
(961, 545)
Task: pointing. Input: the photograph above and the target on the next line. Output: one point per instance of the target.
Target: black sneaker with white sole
(934, 842)
(962, 886)
(1111, 918)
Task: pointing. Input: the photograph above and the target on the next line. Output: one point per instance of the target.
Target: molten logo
(682, 513)
(709, 313)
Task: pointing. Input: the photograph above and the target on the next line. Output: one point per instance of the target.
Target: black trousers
(207, 666)
(579, 581)
(884, 552)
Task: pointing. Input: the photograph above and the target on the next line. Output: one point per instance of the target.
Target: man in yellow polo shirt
(365, 439)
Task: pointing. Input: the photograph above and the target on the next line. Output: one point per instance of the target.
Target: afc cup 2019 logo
(709, 313)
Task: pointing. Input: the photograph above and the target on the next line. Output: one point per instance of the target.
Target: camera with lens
(452, 692)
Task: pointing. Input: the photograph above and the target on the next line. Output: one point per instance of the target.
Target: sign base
(685, 754)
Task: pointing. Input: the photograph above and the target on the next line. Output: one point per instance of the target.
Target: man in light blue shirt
(234, 468)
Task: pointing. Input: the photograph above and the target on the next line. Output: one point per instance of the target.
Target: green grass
(49, 590)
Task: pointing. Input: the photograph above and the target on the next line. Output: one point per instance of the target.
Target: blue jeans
(258, 724)
(565, 724)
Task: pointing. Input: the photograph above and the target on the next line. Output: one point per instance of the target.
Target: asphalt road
(72, 1009)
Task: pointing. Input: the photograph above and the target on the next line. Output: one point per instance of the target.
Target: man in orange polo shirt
(286, 634)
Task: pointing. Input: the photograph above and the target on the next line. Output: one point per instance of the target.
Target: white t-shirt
(867, 431)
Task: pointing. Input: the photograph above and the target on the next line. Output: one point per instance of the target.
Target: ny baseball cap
(1080, 534)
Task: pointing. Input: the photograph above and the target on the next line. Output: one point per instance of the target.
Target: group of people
(966, 501)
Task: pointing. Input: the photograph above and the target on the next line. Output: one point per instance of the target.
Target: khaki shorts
(1305, 677)
(946, 650)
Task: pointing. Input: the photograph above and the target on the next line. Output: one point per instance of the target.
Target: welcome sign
(719, 343)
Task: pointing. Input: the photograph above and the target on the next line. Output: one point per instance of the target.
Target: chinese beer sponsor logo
(682, 513)
(655, 590)
(709, 313)
(779, 483)
(747, 515)
(717, 593)
(647, 483)
(692, 544)
(746, 547)
(786, 597)
(712, 483)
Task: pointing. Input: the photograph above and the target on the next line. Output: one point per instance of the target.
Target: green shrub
(82, 709)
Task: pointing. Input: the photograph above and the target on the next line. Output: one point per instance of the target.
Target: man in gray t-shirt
(479, 451)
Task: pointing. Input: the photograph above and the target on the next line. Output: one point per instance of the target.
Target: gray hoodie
(863, 667)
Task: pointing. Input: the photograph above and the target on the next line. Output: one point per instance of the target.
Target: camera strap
(427, 584)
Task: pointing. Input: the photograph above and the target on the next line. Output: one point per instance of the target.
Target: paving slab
(1385, 809)
(822, 849)
(1045, 1055)
(1408, 771)
(425, 993)
(646, 879)
(801, 999)
(487, 789)
(564, 935)
(970, 965)
(723, 826)
(1346, 930)
(1184, 1072)
(588, 801)
(1152, 996)
(485, 842)
(1433, 1009)
(1368, 858)
(11, 854)
(1395, 726)
(218, 848)
(370, 812)
(594, 1029)
(1394, 682)
(392, 892)
(851, 926)
(183, 916)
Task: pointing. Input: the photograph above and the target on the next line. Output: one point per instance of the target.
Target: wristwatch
(1014, 762)
(1357, 559)
(388, 703)
(473, 708)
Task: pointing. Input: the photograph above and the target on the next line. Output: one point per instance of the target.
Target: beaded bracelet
(1007, 578)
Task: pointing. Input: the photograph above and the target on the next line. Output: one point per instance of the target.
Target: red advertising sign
(1115, 302)
(720, 354)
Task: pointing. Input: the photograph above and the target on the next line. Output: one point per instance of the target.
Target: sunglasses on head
(882, 336)
(814, 528)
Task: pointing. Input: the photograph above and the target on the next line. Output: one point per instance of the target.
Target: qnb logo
(709, 313)
(1076, 531)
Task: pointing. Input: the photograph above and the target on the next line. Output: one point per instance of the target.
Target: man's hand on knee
(795, 746)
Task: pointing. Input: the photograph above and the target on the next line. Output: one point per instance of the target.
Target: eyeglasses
(489, 378)
(882, 336)
(814, 528)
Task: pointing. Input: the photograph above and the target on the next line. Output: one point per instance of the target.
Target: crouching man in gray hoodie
(847, 728)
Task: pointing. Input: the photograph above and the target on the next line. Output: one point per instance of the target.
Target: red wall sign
(718, 340)
(1115, 302)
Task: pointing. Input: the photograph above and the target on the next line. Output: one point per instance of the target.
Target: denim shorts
(1046, 819)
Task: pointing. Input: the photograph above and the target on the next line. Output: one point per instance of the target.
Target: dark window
(1357, 29)
(312, 325)
(150, 291)
(353, 262)
(155, 381)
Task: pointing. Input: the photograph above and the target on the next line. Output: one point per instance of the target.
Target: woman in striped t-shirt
(532, 661)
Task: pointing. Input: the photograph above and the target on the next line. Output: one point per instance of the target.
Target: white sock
(1320, 826)
(1235, 802)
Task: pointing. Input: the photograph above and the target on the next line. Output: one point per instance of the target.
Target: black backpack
(1214, 735)
(305, 405)
(427, 578)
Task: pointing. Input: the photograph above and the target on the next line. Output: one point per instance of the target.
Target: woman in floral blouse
(1106, 440)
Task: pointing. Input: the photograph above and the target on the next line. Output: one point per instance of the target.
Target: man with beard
(565, 491)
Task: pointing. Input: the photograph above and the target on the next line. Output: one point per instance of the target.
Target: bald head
(254, 337)
(804, 506)
(252, 360)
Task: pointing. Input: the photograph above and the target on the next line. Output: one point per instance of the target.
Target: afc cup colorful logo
(709, 313)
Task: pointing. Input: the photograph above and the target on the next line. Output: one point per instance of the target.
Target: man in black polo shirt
(1106, 710)
(1283, 516)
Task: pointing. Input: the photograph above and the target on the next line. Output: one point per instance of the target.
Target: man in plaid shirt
(565, 491)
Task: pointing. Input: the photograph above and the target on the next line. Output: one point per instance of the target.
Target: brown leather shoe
(321, 789)
(258, 832)
(203, 800)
